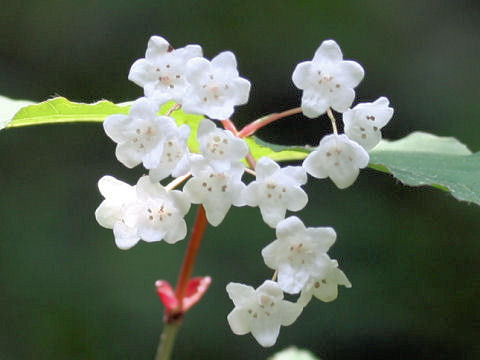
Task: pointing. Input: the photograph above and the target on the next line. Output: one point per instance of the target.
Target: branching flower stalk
(212, 178)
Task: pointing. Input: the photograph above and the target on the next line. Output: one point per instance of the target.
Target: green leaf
(426, 159)
(292, 353)
(260, 148)
(418, 159)
(61, 110)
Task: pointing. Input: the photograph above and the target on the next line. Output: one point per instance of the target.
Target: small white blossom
(214, 86)
(175, 156)
(162, 72)
(110, 214)
(364, 121)
(298, 253)
(276, 189)
(216, 191)
(327, 80)
(338, 158)
(325, 287)
(260, 311)
(145, 211)
(158, 213)
(140, 135)
(220, 147)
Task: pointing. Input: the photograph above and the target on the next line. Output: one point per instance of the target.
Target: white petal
(314, 166)
(292, 279)
(272, 214)
(297, 199)
(227, 62)
(296, 173)
(343, 99)
(313, 105)
(289, 312)
(157, 47)
(206, 127)
(270, 288)
(111, 187)
(272, 254)
(250, 194)
(328, 51)
(196, 70)
(149, 234)
(240, 294)
(239, 321)
(143, 108)
(265, 333)
(216, 211)
(290, 227)
(266, 167)
(191, 51)
(128, 155)
(301, 75)
(141, 72)
(176, 233)
(114, 126)
(182, 201)
(125, 237)
(351, 73)
(242, 90)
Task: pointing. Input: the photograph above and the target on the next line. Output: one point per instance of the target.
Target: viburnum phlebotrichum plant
(211, 169)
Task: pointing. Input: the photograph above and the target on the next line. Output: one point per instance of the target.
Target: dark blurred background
(412, 254)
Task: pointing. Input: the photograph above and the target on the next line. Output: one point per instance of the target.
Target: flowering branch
(190, 256)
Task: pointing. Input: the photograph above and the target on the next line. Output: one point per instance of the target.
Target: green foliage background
(412, 254)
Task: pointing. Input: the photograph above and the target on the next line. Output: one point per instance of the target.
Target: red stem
(251, 128)
(191, 254)
(229, 125)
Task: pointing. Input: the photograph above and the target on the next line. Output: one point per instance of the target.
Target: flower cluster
(212, 175)
(328, 82)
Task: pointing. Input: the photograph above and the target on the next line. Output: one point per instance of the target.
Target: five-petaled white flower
(324, 287)
(146, 211)
(364, 121)
(139, 135)
(174, 159)
(158, 213)
(220, 147)
(214, 86)
(276, 189)
(162, 72)
(260, 311)
(327, 80)
(338, 158)
(216, 191)
(298, 253)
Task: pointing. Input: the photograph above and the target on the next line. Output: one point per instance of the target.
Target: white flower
(110, 214)
(298, 253)
(220, 147)
(145, 211)
(327, 80)
(174, 159)
(140, 135)
(214, 86)
(261, 311)
(337, 157)
(158, 213)
(276, 189)
(162, 72)
(364, 121)
(216, 191)
(325, 287)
